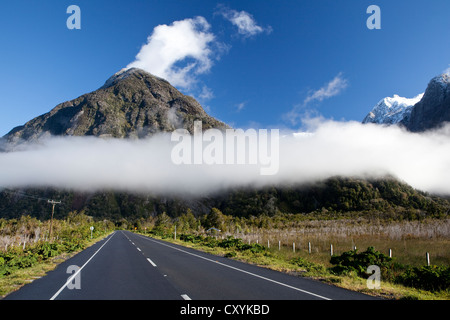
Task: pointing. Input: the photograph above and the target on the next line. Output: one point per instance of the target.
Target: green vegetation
(352, 261)
(19, 259)
(26, 251)
(278, 241)
(337, 197)
(431, 278)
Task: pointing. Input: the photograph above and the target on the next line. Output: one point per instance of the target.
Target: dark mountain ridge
(433, 110)
(131, 104)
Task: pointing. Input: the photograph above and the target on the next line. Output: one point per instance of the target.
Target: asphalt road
(128, 266)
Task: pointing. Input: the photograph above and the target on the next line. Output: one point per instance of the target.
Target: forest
(385, 198)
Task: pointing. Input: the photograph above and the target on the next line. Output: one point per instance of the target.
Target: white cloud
(240, 106)
(206, 94)
(330, 149)
(178, 52)
(331, 89)
(244, 21)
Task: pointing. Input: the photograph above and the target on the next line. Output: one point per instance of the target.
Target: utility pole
(53, 203)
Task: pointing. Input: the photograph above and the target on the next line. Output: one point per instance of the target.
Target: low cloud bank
(328, 149)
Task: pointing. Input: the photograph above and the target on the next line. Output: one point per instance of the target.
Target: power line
(50, 201)
(25, 194)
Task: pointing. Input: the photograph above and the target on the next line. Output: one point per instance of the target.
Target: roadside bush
(74, 245)
(352, 261)
(308, 266)
(230, 242)
(210, 242)
(47, 250)
(255, 248)
(13, 260)
(230, 254)
(161, 232)
(238, 244)
(431, 278)
(189, 238)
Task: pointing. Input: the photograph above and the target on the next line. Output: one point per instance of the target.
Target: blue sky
(285, 60)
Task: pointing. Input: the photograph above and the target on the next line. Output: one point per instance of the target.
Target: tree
(215, 219)
(187, 221)
(163, 221)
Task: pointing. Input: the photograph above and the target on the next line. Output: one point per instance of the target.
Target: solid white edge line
(185, 297)
(79, 270)
(151, 262)
(237, 269)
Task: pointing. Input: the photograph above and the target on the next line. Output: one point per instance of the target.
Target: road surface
(128, 266)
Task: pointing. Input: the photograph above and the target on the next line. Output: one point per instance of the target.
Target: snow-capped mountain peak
(392, 110)
(443, 79)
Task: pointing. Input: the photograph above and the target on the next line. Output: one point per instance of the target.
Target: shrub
(191, 238)
(230, 243)
(308, 266)
(48, 250)
(256, 248)
(358, 262)
(230, 254)
(74, 245)
(210, 242)
(431, 278)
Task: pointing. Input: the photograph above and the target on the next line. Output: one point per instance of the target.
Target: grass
(408, 240)
(21, 277)
(406, 251)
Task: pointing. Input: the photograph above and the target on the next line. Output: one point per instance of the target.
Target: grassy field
(409, 241)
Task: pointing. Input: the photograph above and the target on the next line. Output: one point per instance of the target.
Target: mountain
(426, 111)
(131, 104)
(392, 110)
(433, 110)
(135, 104)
